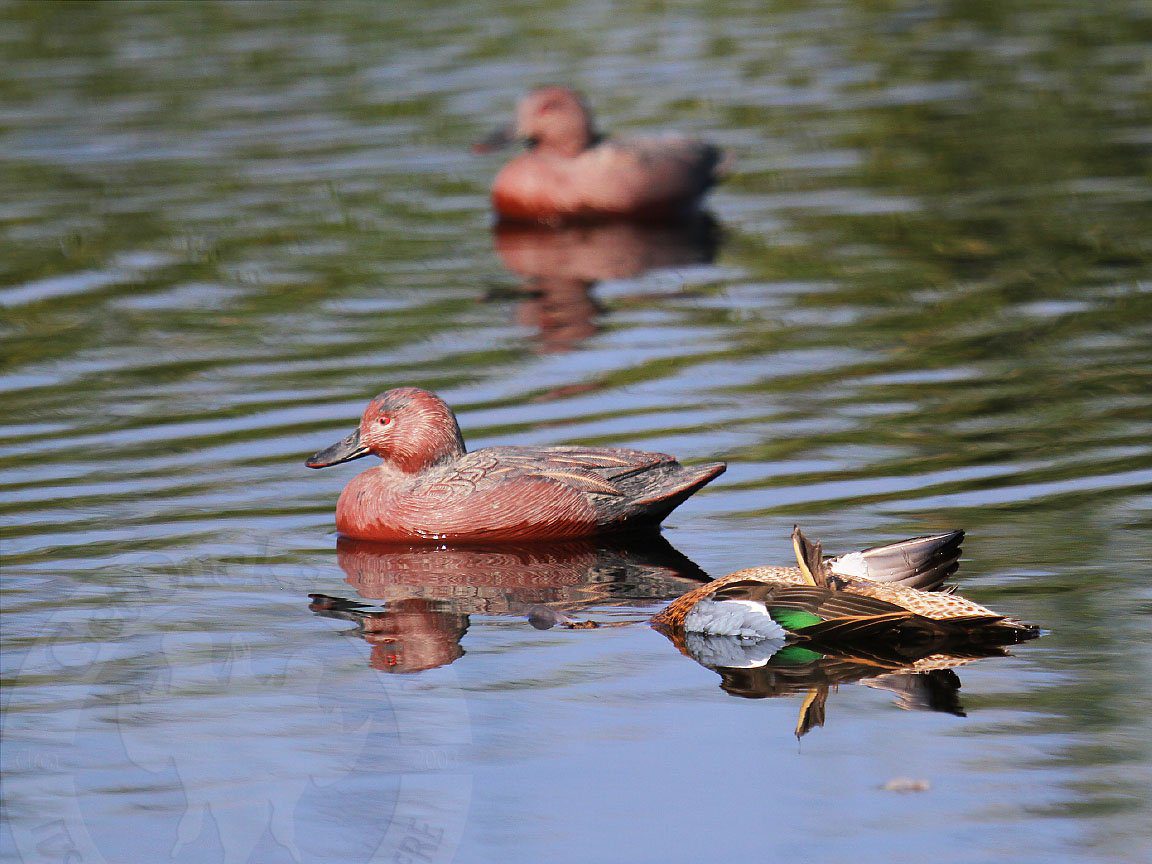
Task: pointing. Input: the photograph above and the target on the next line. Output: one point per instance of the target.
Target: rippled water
(926, 304)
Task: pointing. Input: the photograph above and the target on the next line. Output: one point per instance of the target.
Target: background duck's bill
(497, 139)
(342, 451)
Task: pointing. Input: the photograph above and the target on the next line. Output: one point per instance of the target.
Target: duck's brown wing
(511, 492)
(597, 471)
(824, 603)
(626, 484)
(672, 167)
(589, 471)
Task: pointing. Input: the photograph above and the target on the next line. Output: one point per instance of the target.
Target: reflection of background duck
(429, 593)
(560, 266)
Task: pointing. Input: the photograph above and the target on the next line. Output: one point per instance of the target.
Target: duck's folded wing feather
(592, 470)
(921, 562)
(825, 603)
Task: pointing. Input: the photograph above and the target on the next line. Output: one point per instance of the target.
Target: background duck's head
(549, 119)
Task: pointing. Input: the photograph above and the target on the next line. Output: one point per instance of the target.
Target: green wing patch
(794, 619)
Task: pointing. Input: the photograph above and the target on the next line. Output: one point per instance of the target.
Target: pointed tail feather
(991, 629)
(921, 562)
(681, 485)
(810, 559)
(919, 634)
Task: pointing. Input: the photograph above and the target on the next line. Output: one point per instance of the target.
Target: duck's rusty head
(409, 428)
(550, 119)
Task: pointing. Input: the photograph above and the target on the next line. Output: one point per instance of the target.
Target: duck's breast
(467, 503)
(642, 178)
(537, 187)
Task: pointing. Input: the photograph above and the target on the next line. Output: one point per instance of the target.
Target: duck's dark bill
(498, 139)
(342, 451)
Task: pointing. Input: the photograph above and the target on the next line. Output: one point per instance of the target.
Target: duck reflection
(770, 668)
(561, 266)
(423, 597)
(409, 635)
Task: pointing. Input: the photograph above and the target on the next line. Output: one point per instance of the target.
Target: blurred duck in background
(570, 172)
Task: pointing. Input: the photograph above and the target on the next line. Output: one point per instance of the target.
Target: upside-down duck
(894, 594)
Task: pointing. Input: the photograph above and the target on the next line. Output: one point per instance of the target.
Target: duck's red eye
(383, 421)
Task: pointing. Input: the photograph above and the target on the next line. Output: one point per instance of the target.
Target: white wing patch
(727, 652)
(742, 618)
(853, 565)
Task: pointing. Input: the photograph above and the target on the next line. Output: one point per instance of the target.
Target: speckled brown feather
(934, 604)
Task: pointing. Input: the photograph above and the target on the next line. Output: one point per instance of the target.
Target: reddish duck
(429, 487)
(571, 173)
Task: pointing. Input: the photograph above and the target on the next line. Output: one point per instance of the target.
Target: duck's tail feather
(918, 633)
(810, 560)
(991, 629)
(679, 485)
(921, 562)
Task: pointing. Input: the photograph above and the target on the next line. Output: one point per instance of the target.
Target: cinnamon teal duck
(572, 173)
(430, 488)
